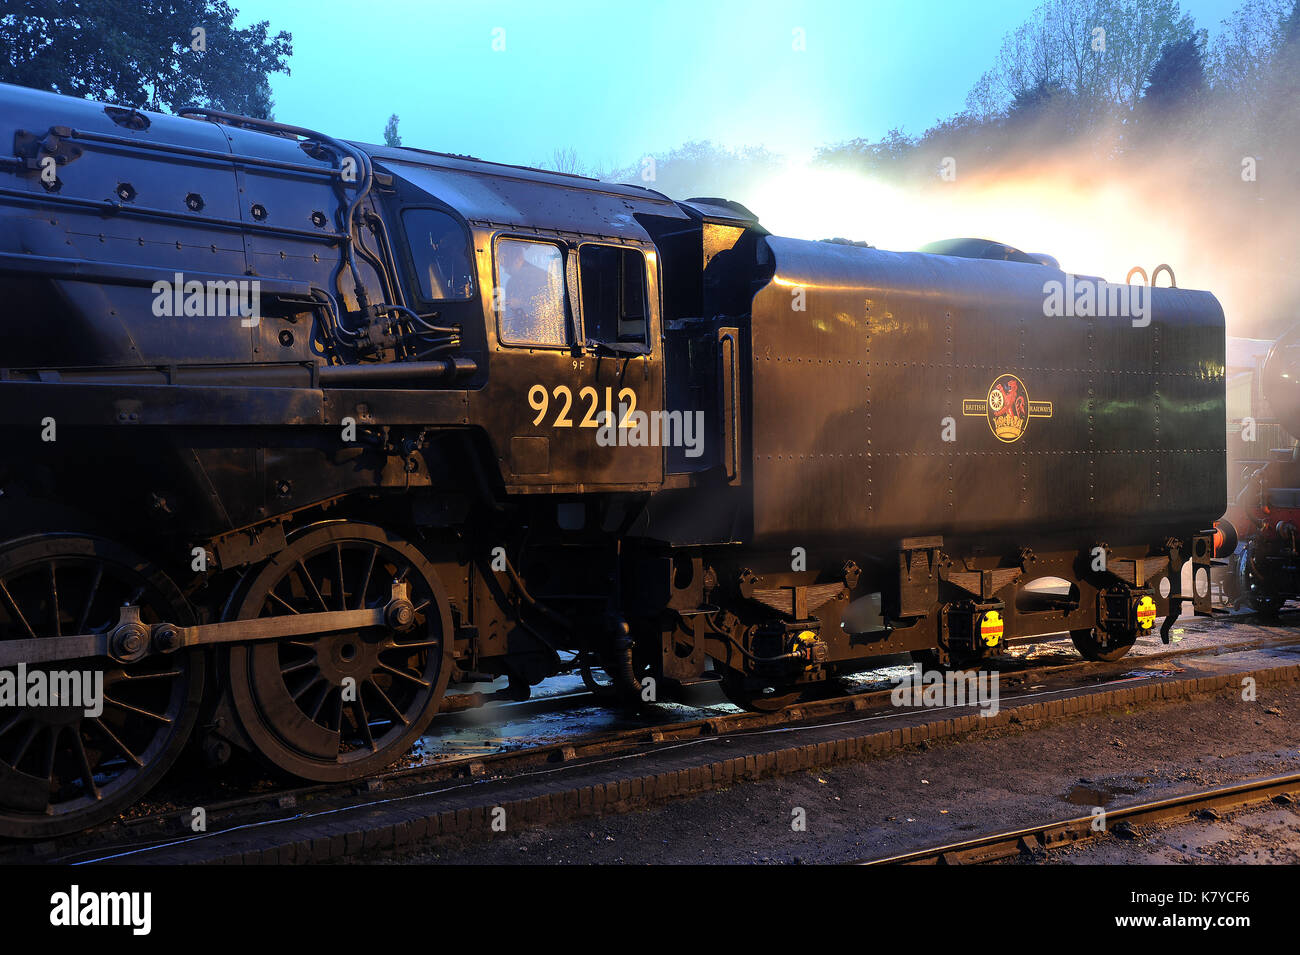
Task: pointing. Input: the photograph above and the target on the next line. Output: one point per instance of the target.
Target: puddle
(1154, 674)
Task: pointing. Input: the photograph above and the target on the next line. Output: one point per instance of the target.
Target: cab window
(613, 285)
(532, 305)
(440, 253)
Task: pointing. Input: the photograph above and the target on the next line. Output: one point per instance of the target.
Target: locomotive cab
(565, 327)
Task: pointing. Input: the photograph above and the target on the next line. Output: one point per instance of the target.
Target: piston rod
(130, 640)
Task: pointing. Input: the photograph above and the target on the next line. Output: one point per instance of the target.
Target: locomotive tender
(301, 432)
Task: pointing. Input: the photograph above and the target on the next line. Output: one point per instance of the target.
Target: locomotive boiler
(299, 433)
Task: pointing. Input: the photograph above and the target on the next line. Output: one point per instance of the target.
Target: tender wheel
(764, 699)
(1257, 595)
(62, 770)
(348, 703)
(1268, 606)
(1090, 648)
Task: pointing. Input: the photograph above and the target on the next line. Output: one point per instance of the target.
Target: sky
(514, 80)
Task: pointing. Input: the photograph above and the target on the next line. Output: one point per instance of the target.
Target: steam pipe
(381, 373)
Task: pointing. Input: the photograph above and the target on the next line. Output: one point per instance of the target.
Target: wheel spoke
(26, 743)
(387, 702)
(281, 601)
(314, 681)
(87, 775)
(51, 751)
(13, 605)
(295, 667)
(314, 589)
(117, 743)
(403, 674)
(365, 579)
(338, 717)
(326, 692)
(90, 599)
(149, 714)
(359, 709)
(343, 597)
(54, 602)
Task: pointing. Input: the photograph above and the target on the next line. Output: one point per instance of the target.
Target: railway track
(163, 826)
(1032, 840)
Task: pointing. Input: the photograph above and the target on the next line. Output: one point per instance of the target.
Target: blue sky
(620, 80)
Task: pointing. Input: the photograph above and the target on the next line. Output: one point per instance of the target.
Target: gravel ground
(1265, 834)
(935, 793)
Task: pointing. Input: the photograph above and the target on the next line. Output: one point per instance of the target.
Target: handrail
(358, 156)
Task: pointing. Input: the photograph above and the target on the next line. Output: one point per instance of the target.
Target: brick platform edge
(626, 795)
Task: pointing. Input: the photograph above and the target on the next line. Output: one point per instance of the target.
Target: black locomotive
(299, 432)
(1264, 572)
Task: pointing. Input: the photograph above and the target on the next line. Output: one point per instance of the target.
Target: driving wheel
(346, 703)
(75, 751)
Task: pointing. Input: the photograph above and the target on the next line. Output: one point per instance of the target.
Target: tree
(702, 169)
(1282, 90)
(1062, 46)
(1140, 33)
(1286, 62)
(1177, 80)
(391, 136)
(565, 160)
(1037, 99)
(1247, 41)
(1099, 52)
(154, 54)
(886, 155)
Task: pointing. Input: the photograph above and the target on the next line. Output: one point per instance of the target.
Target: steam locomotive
(1264, 572)
(299, 433)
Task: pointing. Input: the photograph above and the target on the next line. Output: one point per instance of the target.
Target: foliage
(391, 136)
(143, 53)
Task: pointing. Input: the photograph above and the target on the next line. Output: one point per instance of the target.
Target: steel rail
(1014, 842)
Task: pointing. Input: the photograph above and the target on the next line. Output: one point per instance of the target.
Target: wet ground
(499, 727)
